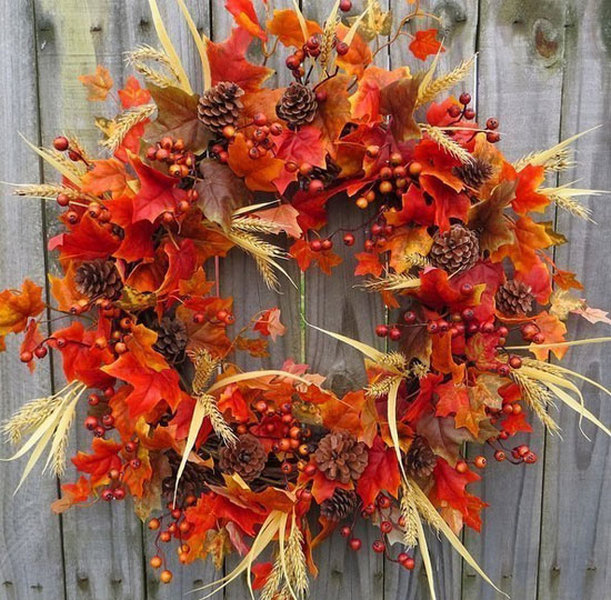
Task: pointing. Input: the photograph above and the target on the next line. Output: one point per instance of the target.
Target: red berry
(469, 114)
(156, 562)
(530, 458)
(378, 546)
(316, 245)
(310, 470)
(199, 318)
(26, 356)
(61, 143)
(538, 338)
(345, 5)
(166, 576)
(348, 239)
(466, 289)
(108, 420)
(515, 362)
(493, 137)
(342, 48)
(465, 98)
(461, 466)
(119, 493)
(355, 544)
(99, 431)
(503, 371)
(260, 119)
(275, 129)
(154, 524)
(454, 111)
(409, 317)
(327, 244)
(432, 327)
(487, 327)
(131, 447)
(91, 423)
(499, 455)
(467, 314)
(492, 123)
(316, 186)
(383, 501)
(107, 495)
(395, 334)
(345, 531)
(409, 563)
(382, 330)
(254, 153)
(480, 462)
(386, 526)
(321, 96)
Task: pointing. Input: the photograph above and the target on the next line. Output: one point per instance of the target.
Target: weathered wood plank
(458, 29)
(575, 557)
(521, 48)
(31, 564)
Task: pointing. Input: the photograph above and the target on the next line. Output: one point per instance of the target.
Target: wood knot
(95, 28)
(546, 38)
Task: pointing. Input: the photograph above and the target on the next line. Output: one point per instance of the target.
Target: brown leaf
(399, 100)
(98, 84)
(335, 111)
(177, 118)
(443, 436)
(488, 217)
(220, 192)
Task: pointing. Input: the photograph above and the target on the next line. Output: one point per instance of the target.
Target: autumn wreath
(269, 463)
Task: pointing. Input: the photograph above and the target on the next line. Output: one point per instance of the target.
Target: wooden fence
(543, 68)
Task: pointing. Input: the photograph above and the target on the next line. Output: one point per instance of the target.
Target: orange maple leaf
(132, 94)
(553, 330)
(269, 324)
(365, 101)
(368, 264)
(526, 196)
(258, 173)
(285, 24)
(425, 43)
(107, 176)
(305, 256)
(98, 84)
(17, 307)
(359, 54)
(245, 17)
(105, 457)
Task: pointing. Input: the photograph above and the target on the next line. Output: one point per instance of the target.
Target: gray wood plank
(575, 557)
(521, 47)
(30, 536)
(458, 30)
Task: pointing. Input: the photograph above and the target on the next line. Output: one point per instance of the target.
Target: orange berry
(385, 187)
(461, 466)
(156, 562)
(166, 576)
(228, 131)
(415, 168)
(361, 202)
(480, 462)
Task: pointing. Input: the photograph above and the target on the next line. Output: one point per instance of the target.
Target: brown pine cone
(247, 458)
(474, 173)
(514, 298)
(420, 459)
(172, 338)
(98, 279)
(194, 479)
(340, 457)
(220, 106)
(340, 506)
(298, 105)
(454, 250)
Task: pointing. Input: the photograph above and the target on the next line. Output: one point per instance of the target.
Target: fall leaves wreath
(269, 463)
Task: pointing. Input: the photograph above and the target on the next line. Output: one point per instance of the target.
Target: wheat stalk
(447, 143)
(29, 417)
(50, 191)
(379, 388)
(220, 426)
(205, 365)
(409, 512)
(296, 561)
(255, 225)
(77, 147)
(328, 37)
(124, 122)
(443, 83)
(394, 361)
(565, 197)
(145, 52)
(391, 282)
(271, 588)
(538, 398)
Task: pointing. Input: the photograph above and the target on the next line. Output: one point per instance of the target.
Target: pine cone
(193, 481)
(172, 338)
(340, 457)
(298, 105)
(514, 298)
(98, 279)
(247, 458)
(420, 459)
(340, 506)
(454, 250)
(474, 173)
(220, 106)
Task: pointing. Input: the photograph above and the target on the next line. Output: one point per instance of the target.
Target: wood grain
(31, 565)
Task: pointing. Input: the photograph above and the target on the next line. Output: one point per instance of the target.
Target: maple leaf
(259, 174)
(344, 414)
(150, 387)
(64, 289)
(489, 217)
(334, 112)
(245, 17)
(526, 198)
(104, 458)
(311, 208)
(450, 486)
(158, 193)
(177, 118)
(72, 493)
(437, 290)
(196, 285)
(566, 280)
(211, 334)
(406, 243)
(481, 273)
(132, 94)
(220, 192)
(593, 315)
(136, 478)
(87, 240)
(284, 216)
(181, 264)
(17, 307)
(233, 401)
(368, 264)
(140, 342)
(300, 146)
(98, 84)
(425, 43)
(305, 256)
(31, 340)
(539, 280)
(106, 176)
(285, 24)
(228, 62)
(446, 201)
(513, 424)
(529, 237)
(381, 474)
(443, 436)
(269, 324)
(398, 99)
(481, 349)
(359, 54)
(553, 330)
(82, 359)
(366, 101)
(442, 359)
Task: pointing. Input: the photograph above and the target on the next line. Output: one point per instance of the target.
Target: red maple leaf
(368, 264)
(31, 341)
(228, 62)
(447, 202)
(104, 458)
(132, 94)
(381, 474)
(72, 493)
(425, 43)
(158, 193)
(526, 196)
(150, 386)
(181, 265)
(449, 488)
(245, 17)
(305, 256)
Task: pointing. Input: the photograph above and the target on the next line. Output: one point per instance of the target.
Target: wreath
(269, 463)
